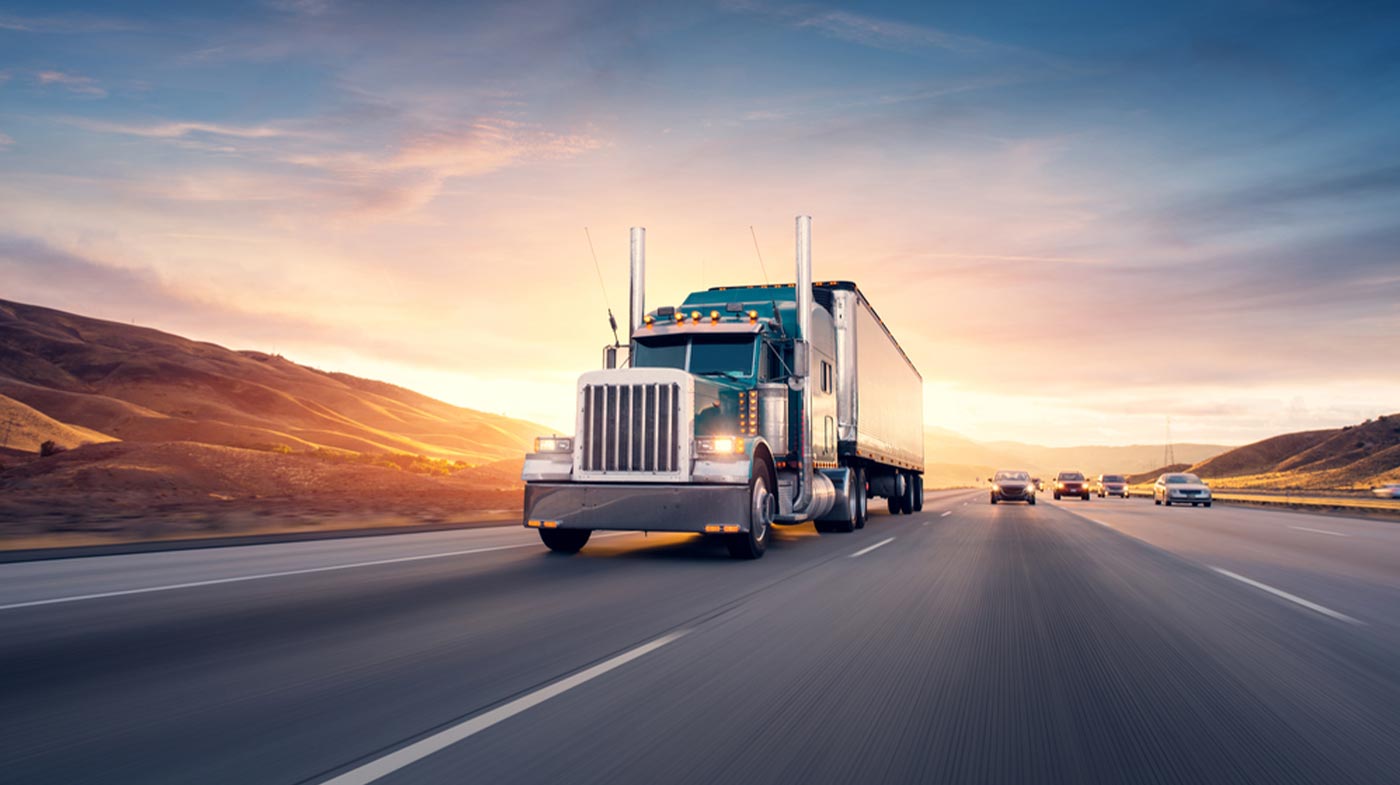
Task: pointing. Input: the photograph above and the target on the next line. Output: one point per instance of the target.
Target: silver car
(1180, 488)
(1388, 491)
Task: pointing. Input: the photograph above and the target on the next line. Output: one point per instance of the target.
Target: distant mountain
(952, 449)
(1354, 456)
(74, 379)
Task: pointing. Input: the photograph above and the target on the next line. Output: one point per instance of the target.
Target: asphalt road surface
(1107, 641)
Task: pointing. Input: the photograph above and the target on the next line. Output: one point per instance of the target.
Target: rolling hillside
(1348, 458)
(116, 381)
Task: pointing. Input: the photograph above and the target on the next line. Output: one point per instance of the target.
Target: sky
(1079, 219)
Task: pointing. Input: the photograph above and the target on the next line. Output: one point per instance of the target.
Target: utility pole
(1169, 454)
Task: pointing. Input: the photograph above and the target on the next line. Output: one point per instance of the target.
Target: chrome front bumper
(636, 506)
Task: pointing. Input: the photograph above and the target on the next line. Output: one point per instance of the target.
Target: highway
(1102, 642)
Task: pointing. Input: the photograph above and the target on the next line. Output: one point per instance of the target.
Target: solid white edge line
(418, 750)
(1319, 531)
(870, 548)
(1312, 606)
(261, 576)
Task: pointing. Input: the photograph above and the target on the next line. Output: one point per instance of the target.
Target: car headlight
(719, 446)
(554, 444)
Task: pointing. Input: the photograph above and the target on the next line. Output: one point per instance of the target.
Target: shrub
(50, 448)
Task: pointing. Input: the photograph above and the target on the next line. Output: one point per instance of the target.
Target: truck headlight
(554, 444)
(719, 446)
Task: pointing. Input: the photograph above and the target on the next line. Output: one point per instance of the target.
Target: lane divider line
(281, 574)
(1319, 531)
(1293, 598)
(382, 767)
(946, 513)
(870, 548)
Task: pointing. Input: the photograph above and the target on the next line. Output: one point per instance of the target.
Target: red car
(1071, 484)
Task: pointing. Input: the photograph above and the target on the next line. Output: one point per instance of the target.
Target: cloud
(302, 7)
(886, 34)
(179, 130)
(6, 142)
(871, 31)
(74, 83)
(68, 23)
(414, 175)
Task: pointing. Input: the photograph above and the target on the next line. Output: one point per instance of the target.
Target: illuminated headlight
(997, 485)
(719, 446)
(554, 444)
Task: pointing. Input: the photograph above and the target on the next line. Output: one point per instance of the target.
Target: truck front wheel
(762, 506)
(565, 540)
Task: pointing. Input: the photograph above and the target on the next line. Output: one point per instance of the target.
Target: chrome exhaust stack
(638, 281)
(816, 494)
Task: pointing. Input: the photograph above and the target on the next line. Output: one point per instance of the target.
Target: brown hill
(142, 385)
(24, 428)
(1347, 458)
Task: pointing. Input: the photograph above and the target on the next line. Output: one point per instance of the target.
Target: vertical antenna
(761, 265)
(612, 320)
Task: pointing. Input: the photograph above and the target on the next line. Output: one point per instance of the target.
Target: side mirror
(801, 359)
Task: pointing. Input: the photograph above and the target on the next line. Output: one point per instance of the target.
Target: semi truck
(742, 408)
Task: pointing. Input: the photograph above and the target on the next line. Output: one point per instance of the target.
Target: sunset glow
(1074, 235)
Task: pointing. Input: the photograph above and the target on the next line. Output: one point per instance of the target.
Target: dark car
(1071, 484)
(1012, 486)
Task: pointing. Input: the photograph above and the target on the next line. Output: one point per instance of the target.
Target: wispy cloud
(884, 33)
(65, 23)
(302, 7)
(180, 130)
(413, 175)
(6, 142)
(866, 30)
(73, 83)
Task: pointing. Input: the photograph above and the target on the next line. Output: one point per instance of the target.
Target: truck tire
(565, 540)
(918, 492)
(862, 498)
(762, 505)
(896, 501)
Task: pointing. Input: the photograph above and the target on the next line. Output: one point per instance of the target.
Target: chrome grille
(631, 428)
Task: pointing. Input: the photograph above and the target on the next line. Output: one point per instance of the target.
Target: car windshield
(709, 355)
(1113, 478)
(1071, 476)
(1022, 476)
(1182, 479)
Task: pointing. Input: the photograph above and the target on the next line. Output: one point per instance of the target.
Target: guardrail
(1300, 500)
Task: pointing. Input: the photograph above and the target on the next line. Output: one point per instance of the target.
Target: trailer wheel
(911, 498)
(565, 540)
(918, 492)
(862, 497)
(895, 501)
(762, 506)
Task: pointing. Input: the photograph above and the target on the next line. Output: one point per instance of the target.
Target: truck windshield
(708, 355)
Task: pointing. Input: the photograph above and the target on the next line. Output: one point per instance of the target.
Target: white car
(1388, 491)
(1180, 488)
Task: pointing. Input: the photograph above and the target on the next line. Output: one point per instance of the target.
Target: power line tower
(1169, 454)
